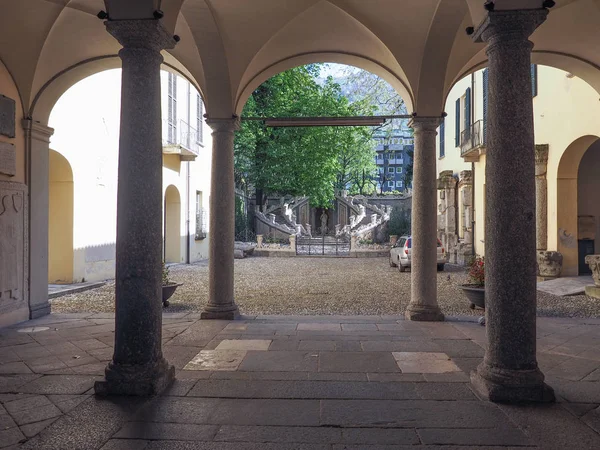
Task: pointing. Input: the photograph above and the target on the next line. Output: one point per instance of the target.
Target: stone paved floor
(293, 382)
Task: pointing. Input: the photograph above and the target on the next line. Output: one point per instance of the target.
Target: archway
(588, 207)
(172, 224)
(569, 207)
(60, 222)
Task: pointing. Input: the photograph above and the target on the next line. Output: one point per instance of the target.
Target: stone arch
(61, 216)
(172, 225)
(340, 58)
(567, 201)
(53, 89)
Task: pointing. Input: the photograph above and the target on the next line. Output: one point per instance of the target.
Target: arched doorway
(60, 223)
(578, 212)
(588, 207)
(172, 225)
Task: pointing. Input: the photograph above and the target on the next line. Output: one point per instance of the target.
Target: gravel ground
(319, 286)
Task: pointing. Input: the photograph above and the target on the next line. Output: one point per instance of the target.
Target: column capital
(36, 130)
(465, 178)
(426, 124)
(220, 125)
(146, 34)
(541, 159)
(512, 25)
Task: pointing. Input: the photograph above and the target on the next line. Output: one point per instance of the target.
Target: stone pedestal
(138, 366)
(221, 304)
(423, 304)
(509, 372)
(293, 243)
(259, 240)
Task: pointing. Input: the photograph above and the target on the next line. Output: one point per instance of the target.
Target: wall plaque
(7, 116)
(8, 159)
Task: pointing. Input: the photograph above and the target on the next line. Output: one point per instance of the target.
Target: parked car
(400, 254)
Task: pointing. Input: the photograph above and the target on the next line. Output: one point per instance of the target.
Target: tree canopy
(303, 161)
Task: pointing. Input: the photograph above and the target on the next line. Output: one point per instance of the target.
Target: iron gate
(324, 245)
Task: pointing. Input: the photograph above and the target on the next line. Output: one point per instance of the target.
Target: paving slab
(565, 285)
(251, 344)
(357, 362)
(425, 362)
(280, 361)
(216, 360)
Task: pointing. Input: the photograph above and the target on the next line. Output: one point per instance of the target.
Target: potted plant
(168, 286)
(475, 289)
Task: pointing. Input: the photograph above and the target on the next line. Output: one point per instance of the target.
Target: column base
(511, 386)
(230, 312)
(424, 313)
(40, 310)
(136, 380)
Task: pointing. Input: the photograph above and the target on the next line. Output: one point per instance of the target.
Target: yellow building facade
(566, 109)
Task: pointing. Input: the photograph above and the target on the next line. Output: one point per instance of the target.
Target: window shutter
(485, 104)
(534, 83)
(457, 124)
(468, 111)
(442, 139)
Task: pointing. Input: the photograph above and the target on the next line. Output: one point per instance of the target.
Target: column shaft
(509, 371)
(423, 303)
(138, 366)
(221, 303)
(541, 197)
(37, 138)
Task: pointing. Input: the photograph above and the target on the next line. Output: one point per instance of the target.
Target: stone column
(541, 197)
(423, 302)
(221, 304)
(37, 141)
(509, 372)
(138, 366)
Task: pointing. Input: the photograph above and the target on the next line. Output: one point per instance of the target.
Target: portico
(227, 49)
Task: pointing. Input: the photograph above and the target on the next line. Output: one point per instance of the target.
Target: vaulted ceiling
(229, 47)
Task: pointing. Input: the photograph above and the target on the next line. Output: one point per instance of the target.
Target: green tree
(299, 161)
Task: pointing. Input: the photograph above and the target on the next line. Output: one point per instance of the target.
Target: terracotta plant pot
(167, 291)
(475, 294)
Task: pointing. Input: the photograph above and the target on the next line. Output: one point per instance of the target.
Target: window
(398, 169)
(200, 218)
(380, 169)
(485, 103)
(390, 184)
(199, 117)
(172, 109)
(457, 125)
(390, 169)
(399, 184)
(380, 157)
(534, 82)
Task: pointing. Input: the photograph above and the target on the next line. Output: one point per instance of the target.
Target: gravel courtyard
(344, 286)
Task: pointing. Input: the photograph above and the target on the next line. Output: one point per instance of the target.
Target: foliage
(476, 270)
(301, 161)
(365, 241)
(165, 275)
(399, 223)
(268, 239)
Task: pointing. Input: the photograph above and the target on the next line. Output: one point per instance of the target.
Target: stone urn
(475, 294)
(549, 264)
(259, 240)
(594, 262)
(167, 291)
(393, 239)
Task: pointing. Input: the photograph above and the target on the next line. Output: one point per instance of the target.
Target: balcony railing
(471, 138)
(181, 134)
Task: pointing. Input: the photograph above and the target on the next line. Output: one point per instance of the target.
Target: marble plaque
(7, 116)
(8, 159)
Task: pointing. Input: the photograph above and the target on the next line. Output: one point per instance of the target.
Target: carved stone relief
(7, 116)
(12, 243)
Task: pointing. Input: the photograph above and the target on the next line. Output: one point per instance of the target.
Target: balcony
(472, 144)
(181, 139)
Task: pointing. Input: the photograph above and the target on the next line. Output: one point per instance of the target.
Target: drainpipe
(473, 170)
(187, 218)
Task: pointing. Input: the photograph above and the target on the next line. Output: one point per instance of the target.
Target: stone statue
(324, 218)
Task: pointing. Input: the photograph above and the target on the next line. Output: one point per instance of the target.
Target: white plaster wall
(86, 123)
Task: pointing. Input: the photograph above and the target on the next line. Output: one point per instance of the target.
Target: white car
(400, 254)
